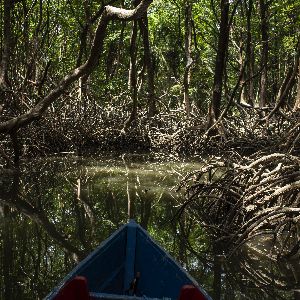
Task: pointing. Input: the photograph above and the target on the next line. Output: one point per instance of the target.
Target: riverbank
(244, 133)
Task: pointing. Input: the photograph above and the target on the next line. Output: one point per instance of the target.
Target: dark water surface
(54, 211)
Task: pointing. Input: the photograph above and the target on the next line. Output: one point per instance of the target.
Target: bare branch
(109, 13)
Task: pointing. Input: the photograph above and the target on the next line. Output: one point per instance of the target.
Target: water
(54, 211)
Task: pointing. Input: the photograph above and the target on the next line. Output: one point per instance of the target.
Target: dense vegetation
(215, 79)
(147, 79)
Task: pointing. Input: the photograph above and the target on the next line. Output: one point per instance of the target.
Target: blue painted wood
(130, 255)
(121, 297)
(100, 264)
(158, 269)
(112, 266)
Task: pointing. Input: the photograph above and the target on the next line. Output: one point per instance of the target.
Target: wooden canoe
(131, 265)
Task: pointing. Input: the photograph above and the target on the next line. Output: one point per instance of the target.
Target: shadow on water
(54, 212)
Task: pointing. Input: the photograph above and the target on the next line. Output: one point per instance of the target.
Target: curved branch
(37, 215)
(109, 13)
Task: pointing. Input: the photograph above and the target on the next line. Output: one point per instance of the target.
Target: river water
(54, 211)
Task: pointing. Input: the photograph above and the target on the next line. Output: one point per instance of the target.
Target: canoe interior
(114, 264)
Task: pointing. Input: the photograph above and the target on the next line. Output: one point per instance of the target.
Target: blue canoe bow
(112, 267)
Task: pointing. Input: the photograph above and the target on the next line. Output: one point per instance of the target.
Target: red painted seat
(75, 289)
(190, 292)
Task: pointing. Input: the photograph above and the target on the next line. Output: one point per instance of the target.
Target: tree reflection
(15, 199)
(72, 204)
(249, 274)
(254, 276)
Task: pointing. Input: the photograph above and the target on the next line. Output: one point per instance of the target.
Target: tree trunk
(116, 63)
(264, 53)
(297, 100)
(189, 60)
(17, 147)
(132, 77)
(7, 42)
(250, 56)
(83, 81)
(148, 62)
(288, 83)
(214, 109)
(244, 92)
(286, 86)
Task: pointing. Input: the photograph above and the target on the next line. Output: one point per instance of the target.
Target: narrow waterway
(54, 211)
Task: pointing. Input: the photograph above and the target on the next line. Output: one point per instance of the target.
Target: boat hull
(111, 269)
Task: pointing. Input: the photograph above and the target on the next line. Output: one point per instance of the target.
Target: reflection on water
(54, 212)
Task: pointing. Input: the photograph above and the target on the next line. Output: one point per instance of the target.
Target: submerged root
(239, 198)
